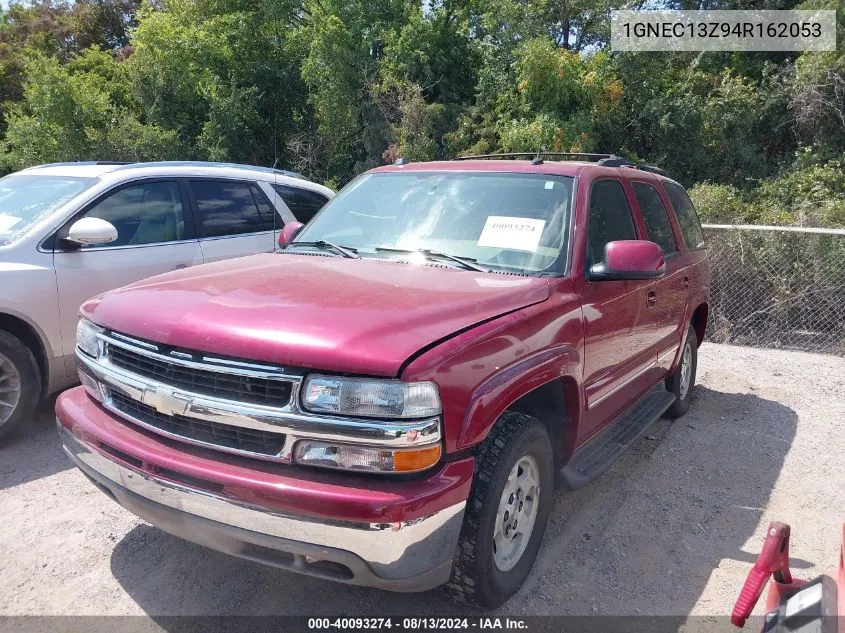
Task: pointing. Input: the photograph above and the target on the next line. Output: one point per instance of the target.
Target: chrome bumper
(412, 556)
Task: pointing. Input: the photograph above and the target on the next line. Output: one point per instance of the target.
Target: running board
(595, 456)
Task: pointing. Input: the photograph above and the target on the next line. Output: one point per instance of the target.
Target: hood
(358, 316)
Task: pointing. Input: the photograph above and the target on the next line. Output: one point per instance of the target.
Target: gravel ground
(671, 529)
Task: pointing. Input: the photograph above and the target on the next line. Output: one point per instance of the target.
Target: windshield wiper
(466, 262)
(324, 245)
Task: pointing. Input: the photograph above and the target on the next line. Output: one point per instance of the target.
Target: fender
(483, 370)
(43, 339)
(501, 390)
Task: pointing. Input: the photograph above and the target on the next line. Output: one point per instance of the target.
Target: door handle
(685, 283)
(651, 299)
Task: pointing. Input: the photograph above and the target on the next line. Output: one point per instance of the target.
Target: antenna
(538, 160)
(275, 182)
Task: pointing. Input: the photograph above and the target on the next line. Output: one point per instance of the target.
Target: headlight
(371, 397)
(363, 458)
(86, 337)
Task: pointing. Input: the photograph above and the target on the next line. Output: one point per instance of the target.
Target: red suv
(388, 399)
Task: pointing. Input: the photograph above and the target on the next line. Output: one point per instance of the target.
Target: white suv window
(148, 213)
(226, 208)
(303, 203)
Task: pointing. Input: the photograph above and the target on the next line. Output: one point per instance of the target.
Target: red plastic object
(772, 561)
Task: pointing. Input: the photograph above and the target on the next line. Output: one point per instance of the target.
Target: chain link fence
(777, 287)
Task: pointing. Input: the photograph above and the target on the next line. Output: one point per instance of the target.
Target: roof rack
(618, 161)
(604, 160)
(534, 155)
(654, 169)
(85, 162)
(200, 163)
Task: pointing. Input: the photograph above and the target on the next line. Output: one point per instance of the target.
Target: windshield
(513, 222)
(24, 200)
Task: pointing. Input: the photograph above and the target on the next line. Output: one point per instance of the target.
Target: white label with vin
(516, 234)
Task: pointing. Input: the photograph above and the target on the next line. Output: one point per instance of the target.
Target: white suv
(70, 231)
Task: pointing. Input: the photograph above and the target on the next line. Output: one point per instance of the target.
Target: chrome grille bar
(183, 412)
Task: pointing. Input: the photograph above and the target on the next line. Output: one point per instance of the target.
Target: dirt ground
(670, 529)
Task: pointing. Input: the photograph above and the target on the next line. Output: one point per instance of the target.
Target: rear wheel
(682, 381)
(506, 513)
(20, 383)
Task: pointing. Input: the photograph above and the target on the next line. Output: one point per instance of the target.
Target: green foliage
(719, 204)
(221, 77)
(333, 87)
(807, 195)
(79, 111)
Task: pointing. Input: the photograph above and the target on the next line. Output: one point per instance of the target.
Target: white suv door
(155, 235)
(230, 220)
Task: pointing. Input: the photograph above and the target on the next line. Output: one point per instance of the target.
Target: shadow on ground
(33, 451)
(642, 539)
(646, 537)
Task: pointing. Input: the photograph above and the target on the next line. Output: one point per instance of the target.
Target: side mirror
(289, 232)
(630, 259)
(90, 231)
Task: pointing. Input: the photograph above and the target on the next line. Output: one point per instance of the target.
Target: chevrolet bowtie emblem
(166, 401)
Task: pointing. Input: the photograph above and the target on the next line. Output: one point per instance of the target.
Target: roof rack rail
(654, 169)
(84, 162)
(209, 164)
(534, 155)
(615, 161)
(604, 160)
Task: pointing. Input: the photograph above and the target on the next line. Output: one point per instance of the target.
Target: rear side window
(270, 218)
(656, 217)
(226, 208)
(610, 219)
(687, 217)
(303, 203)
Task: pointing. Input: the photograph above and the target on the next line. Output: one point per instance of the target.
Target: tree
(223, 76)
(79, 111)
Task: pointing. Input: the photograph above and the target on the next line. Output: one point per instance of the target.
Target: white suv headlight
(370, 397)
(86, 337)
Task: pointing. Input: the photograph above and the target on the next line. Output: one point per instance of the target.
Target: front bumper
(399, 536)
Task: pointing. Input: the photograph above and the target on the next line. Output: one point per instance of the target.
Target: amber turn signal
(417, 459)
(365, 458)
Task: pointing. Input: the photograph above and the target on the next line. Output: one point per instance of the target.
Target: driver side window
(610, 219)
(148, 213)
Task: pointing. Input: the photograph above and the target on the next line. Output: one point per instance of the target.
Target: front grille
(218, 384)
(223, 435)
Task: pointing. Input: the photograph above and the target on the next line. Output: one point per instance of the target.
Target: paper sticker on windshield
(517, 234)
(7, 222)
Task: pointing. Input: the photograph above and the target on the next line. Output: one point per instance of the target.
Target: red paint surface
(288, 489)
(347, 315)
(634, 256)
(289, 232)
(483, 370)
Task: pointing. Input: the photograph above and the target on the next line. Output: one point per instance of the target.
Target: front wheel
(682, 381)
(506, 513)
(20, 383)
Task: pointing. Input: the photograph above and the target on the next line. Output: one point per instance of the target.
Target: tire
(675, 382)
(19, 372)
(477, 578)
